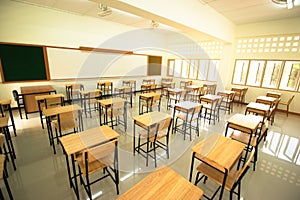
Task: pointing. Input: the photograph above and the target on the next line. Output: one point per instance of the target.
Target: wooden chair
(153, 136)
(287, 104)
(73, 91)
(20, 103)
(105, 87)
(91, 101)
(187, 120)
(3, 150)
(117, 110)
(174, 97)
(130, 83)
(213, 110)
(3, 176)
(271, 116)
(233, 180)
(155, 101)
(185, 83)
(50, 103)
(66, 122)
(227, 102)
(194, 94)
(103, 157)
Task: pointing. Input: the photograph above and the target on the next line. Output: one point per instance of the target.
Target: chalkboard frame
(39, 67)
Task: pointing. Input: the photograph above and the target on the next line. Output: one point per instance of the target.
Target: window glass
(240, 71)
(177, 69)
(255, 72)
(212, 71)
(272, 73)
(193, 69)
(171, 67)
(185, 69)
(290, 75)
(202, 72)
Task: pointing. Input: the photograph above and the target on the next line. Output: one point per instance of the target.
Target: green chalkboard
(22, 63)
(154, 65)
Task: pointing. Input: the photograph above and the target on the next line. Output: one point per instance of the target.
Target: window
(213, 69)
(255, 72)
(240, 71)
(177, 69)
(203, 69)
(185, 69)
(272, 73)
(171, 64)
(193, 69)
(290, 75)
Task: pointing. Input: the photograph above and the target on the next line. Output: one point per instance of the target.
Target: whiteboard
(72, 63)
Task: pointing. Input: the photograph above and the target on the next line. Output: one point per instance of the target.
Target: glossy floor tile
(42, 175)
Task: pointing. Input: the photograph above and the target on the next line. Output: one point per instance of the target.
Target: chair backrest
(164, 124)
(272, 95)
(117, 108)
(105, 154)
(16, 95)
(291, 99)
(71, 116)
(53, 102)
(245, 168)
(77, 87)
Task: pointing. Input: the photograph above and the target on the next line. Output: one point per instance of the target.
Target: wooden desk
(258, 108)
(163, 183)
(75, 143)
(218, 152)
(175, 95)
(41, 103)
(146, 121)
(184, 106)
(276, 95)
(131, 83)
(210, 98)
(124, 92)
(29, 93)
(10, 146)
(105, 86)
(90, 97)
(266, 100)
(57, 111)
(146, 97)
(7, 104)
(105, 104)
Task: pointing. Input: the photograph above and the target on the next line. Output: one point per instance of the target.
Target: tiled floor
(42, 175)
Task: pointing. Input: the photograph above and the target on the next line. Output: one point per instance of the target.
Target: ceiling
(238, 11)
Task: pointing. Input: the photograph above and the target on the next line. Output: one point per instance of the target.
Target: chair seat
(95, 165)
(244, 138)
(218, 176)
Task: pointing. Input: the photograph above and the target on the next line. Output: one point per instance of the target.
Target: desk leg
(100, 114)
(173, 121)
(10, 146)
(68, 168)
(50, 134)
(134, 138)
(140, 106)
(192, 167)
(75, 186)
(223, 184)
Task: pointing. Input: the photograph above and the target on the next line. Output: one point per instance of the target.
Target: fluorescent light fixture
(288, 3)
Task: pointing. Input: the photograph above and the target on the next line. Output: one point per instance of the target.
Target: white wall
(29, 24)
(271, 28)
